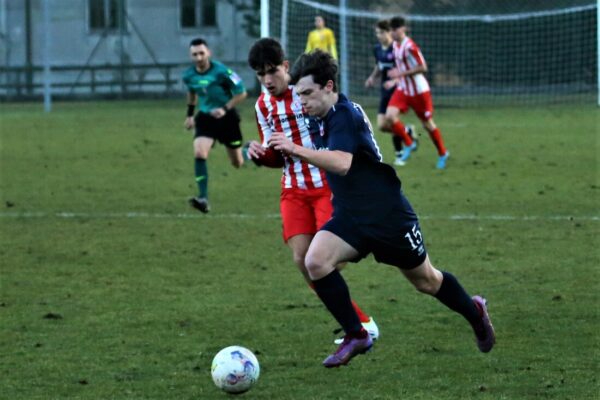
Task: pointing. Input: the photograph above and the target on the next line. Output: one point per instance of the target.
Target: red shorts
(304, 211)
(421, 104)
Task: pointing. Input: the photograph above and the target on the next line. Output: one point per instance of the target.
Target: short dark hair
(397, 22)
(321, 65)
(383, 24)
(265, 53)
(198, 42)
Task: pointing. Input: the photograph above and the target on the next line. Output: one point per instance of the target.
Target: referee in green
(213, 90)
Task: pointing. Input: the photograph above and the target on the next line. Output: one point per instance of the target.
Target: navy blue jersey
(384, 57)
(370, 189)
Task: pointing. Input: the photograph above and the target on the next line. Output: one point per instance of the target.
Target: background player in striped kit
(412, 91)
(384, 62)
(305, 195)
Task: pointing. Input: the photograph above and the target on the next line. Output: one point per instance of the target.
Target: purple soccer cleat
(350, 347)
(484, 331)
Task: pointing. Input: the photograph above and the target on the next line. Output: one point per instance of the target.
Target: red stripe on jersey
(407, 56)
(279, 128)
(297, 139)
(285, 114)
(264, 113)
(416, 53)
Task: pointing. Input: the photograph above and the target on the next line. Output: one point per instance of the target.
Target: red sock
(436, 137)
(361, 315)
(399, 130)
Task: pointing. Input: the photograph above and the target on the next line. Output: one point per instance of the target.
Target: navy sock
(453, 296)
(201, 176)
(397, 141)
(333, 292)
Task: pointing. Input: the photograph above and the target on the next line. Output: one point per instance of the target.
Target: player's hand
(394, 73)
(369, 82)
(387, 85)
(189, 123)
(281, 143)
(255, 150)
(218, 112)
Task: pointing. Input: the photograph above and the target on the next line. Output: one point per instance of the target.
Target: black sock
(333, 292)
(453, 295)
(397, 141)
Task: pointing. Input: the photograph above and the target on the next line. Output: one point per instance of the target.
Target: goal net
(532, 57)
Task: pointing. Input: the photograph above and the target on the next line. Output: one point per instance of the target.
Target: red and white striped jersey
(408, 55)
(285, 114)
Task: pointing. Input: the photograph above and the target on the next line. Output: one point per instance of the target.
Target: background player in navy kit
(384, 61)
(214, 90)
(371, 215)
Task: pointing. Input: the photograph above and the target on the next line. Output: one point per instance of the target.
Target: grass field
(111, 287)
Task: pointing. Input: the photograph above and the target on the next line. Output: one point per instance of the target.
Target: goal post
(537, 57)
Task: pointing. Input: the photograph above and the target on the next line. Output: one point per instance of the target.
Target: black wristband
(190, 110)
(227, 109)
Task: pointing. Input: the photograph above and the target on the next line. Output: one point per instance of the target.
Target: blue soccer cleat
(441, 163)
(406, 152)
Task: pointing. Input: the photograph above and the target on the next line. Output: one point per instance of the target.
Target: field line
(144, 215)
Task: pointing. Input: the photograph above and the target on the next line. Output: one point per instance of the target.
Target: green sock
(201, 176)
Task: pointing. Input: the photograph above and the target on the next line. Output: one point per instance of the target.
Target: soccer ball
(235, 369)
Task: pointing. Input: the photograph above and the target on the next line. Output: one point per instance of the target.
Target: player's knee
(383, 125)
(200, 153)
(316, 266)
(299, 259)
(312, 263)
(429, 125)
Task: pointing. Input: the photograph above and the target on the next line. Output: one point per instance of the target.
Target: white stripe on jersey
(370, 126)
(405, 60)
(299, 174)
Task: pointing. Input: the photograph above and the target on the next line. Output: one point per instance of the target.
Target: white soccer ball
(235, 369)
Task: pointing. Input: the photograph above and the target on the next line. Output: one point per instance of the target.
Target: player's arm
(332, 46)
(238, 93)
(334, 161)
(192, 99)
(376, 73)
(420, 68)
(259, 152)
(309, 45)
(235, 100)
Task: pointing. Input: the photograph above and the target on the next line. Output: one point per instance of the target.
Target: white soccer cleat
(398, 161)
(370, 327)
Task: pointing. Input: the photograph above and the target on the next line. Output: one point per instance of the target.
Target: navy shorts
(394, 240)
(225, 129)
(384, 99)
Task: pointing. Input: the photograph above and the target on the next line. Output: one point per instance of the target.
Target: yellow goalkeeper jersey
(321, 39)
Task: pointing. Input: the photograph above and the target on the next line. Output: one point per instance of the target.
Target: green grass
(147, 300)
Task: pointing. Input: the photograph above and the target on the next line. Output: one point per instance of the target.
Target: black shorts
(225, 129)
(394, 240)
(384, 99)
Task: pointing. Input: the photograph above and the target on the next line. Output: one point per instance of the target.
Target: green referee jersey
(214, 87)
